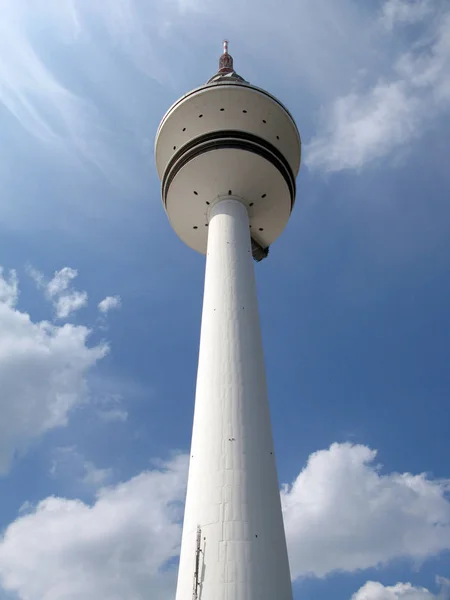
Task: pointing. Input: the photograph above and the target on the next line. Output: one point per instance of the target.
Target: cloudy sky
(100, 302)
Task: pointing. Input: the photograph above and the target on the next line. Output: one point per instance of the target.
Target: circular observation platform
(228, 138)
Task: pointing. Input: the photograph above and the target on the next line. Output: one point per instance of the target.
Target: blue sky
(100, 302)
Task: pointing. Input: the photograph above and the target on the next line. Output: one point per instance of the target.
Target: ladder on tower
(197, 564)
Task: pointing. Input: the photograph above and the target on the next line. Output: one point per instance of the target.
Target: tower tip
(226, 70)
(226, 60)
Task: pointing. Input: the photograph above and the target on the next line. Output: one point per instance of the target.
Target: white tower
(227, 154)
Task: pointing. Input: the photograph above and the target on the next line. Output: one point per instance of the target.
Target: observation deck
(228, 138)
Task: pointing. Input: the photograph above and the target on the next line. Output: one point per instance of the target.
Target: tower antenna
(226, 60)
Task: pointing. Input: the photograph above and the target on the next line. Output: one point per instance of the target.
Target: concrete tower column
(233, 545)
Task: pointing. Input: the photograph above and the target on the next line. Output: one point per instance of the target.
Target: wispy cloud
(67, 304)
(58, 290)
(362, 126)
(114, 397)
(110, 415)
(359, 128)
(95, 476)
(109, 303)
(407, 12)
(40, 102)
(60, 281)
(60, 79)
(70, 464)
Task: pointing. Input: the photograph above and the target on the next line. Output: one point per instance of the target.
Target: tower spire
(226, 60)
(226, 72)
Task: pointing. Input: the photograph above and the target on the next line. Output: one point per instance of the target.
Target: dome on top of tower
(226, 72)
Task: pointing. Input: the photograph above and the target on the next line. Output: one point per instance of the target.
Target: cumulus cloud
(342, 513)
(65, 300)
(373, 590)
(118, 547)
(363, 126)
(109, 303)
(43, 371)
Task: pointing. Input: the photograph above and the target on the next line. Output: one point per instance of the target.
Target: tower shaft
(233, 545)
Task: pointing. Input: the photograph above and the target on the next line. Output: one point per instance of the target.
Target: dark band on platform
(219, 140)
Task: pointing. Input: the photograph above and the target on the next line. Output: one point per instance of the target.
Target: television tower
(227, 154)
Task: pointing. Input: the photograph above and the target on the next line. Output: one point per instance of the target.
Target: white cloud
(61, 281)
(69, 303)
(428, 70)
(113, 414)
(120, 547)
(109, 398)
(45, 108)
(405, 11)
(8, 288)
(60, 85)
(342, 513)
(43, 371)
(94, 476)
(109, 303)
(360, 128)
(65, 300)
(363, 126)
(63, 461)
(373, 590)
